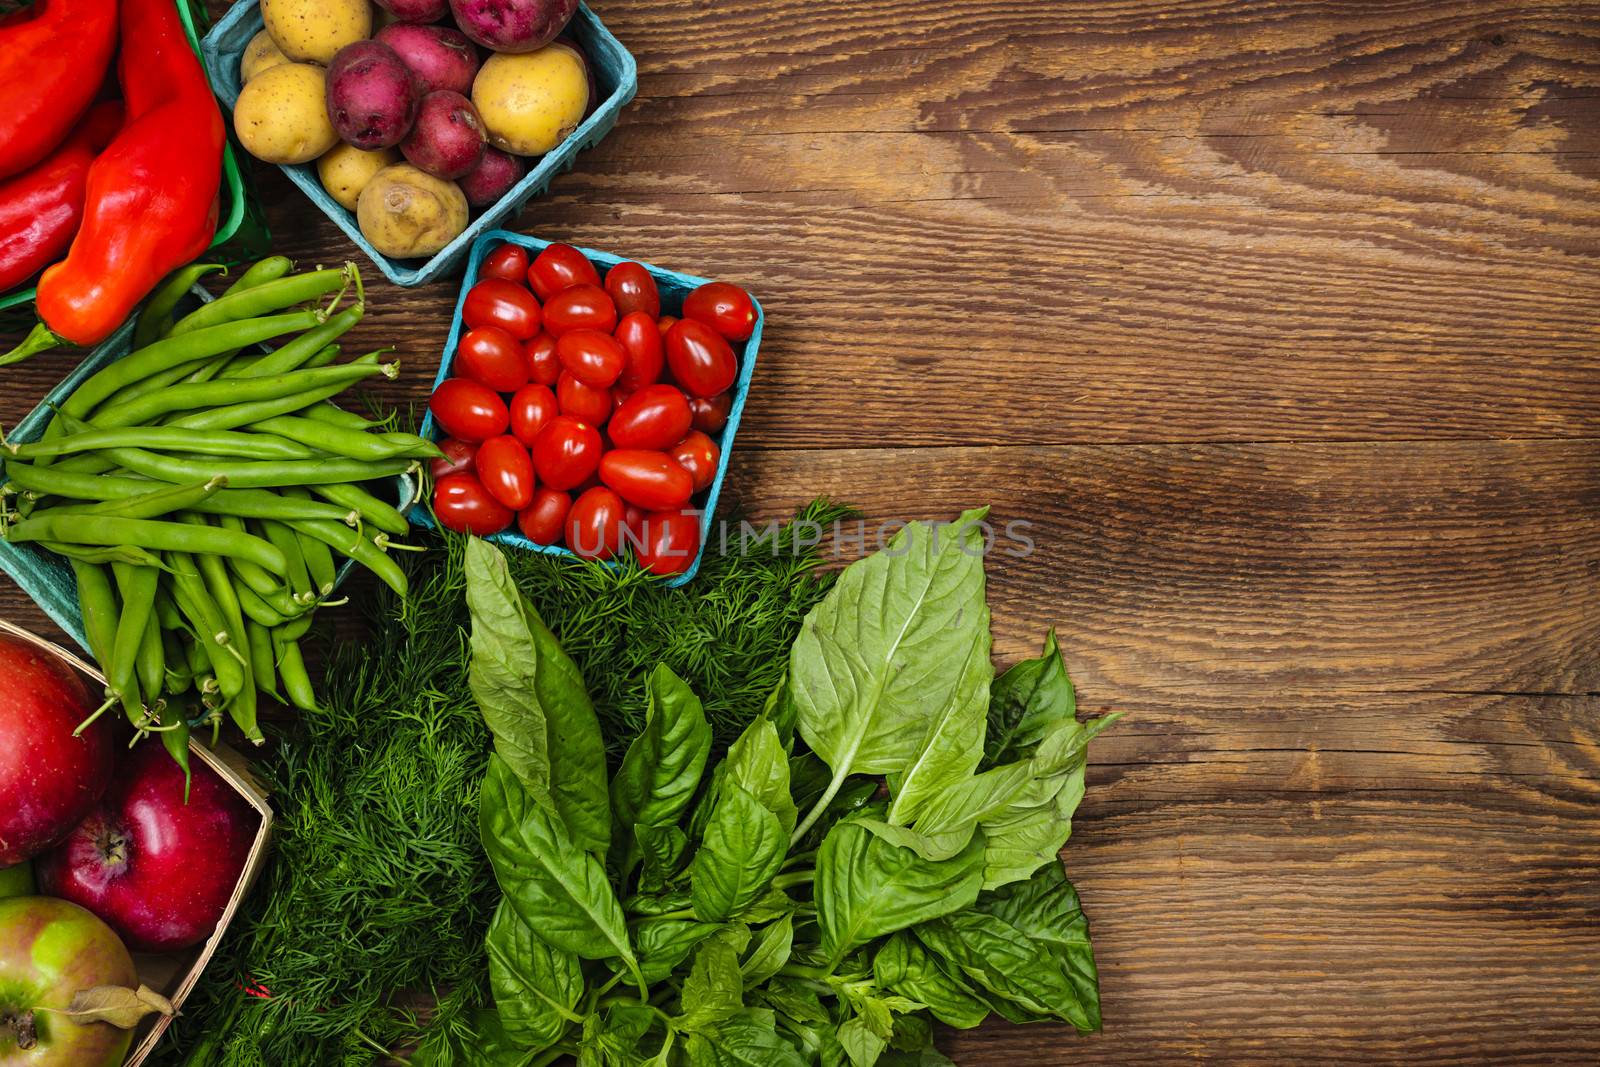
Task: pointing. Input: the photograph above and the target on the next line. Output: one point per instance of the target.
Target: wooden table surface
(1279, 323)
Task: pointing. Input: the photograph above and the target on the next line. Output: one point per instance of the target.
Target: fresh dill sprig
(365, 932)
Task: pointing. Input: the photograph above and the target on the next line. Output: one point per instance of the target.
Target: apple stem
(101, 710)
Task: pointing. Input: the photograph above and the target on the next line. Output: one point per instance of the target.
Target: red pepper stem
(41, 339)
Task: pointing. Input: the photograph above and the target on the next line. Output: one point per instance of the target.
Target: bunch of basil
(877, 851)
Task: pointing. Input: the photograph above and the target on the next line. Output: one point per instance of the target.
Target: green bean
(176, 351)
(157, 311)
(266, 270)
(151, 505)
(165, 379)
(319, 559)
(175, 739)
(233, 416)
(334, 415)
(269, 588)
(167, 612)
(194, 600)
(248, 475)
(384, 516)
(295, 629)
(199, 663)
(137, 585)
(97, 601)
(248, 503)
(261, 658)
(152, 664)
(104, 555)
(302, 348)
(260, 446)
(288, 543)
(178, 676)
(261, 299)
(242, 706)
(351, 444)
(292, 669)
(352, 544)
(325, 356)
(255, 608)
(145, 533)
(206, 396)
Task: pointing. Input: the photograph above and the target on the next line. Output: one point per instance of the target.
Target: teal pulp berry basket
(616, 80)
(674, 287)
(238, 220)
(46, 577)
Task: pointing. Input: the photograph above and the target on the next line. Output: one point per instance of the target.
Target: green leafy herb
(743, 848)
(536, 987)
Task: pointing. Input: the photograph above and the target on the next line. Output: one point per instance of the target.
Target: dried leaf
(118, 1005)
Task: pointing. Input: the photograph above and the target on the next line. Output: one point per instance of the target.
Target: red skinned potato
(513, 25)
(438, 56)
(416, 10)
(372, 95)
(447, 140)
(496, 174)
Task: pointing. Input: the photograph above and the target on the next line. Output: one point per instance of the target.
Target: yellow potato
(259, 54)
(531, 102)
(345, 170)
(313, 30)
(282, 116)
(407, 213)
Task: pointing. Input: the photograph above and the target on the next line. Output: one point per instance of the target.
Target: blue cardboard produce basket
(46, 577)
(674, 287)
(616, 78)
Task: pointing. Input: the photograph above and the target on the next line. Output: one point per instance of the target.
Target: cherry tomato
(506, 470)
(633, 289)
(669, 541)
(632, 525)
(531, 408)
(653, 480)
(664, 323)
(594, 525)
(469, 410)
(462, 504)
(508, 263)
(725, 308)
(700, 359)
(497, 302)
(699, 455)
(544, 366)
(711, 413)
(642, 342)
(545, 520)
(492, 357)
(582, 401)
(592, 357)
(583, 307)
(566, 452)
(458, 457)
(655, 417)
(560, 267)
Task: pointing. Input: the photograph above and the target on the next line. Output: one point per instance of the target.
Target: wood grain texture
(1278, 322)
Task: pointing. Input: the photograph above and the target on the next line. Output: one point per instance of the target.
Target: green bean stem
(384, 516)
(352, 544)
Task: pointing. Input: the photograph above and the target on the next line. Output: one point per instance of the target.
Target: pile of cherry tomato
(581, 413)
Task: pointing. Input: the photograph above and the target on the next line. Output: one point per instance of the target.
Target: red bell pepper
(40, 209)
(152, 196)
(53, 58)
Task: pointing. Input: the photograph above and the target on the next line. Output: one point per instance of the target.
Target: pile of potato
(412, 124)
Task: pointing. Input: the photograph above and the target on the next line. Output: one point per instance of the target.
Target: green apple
(51, 950)
(17, 881)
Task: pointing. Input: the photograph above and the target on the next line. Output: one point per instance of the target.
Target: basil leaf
(714, 990)
(1046, 909)
(743, 848)
(748, 1039)
(663, 848)
(867, 887)
(658, 903)
(794, 999)
(1026, 702)
(758, 764)
(904, 966)
(536, 987)
(665, 943)
(663, 766)
(556, 888)
(946, 823)
(894, 638)
(534, 701)
(861, 1042)
(771, 951)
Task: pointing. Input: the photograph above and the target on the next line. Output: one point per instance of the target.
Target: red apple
(51, 950)
(48, 778)
(160, 872)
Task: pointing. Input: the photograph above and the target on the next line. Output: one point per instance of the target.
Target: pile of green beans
(201, 489)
